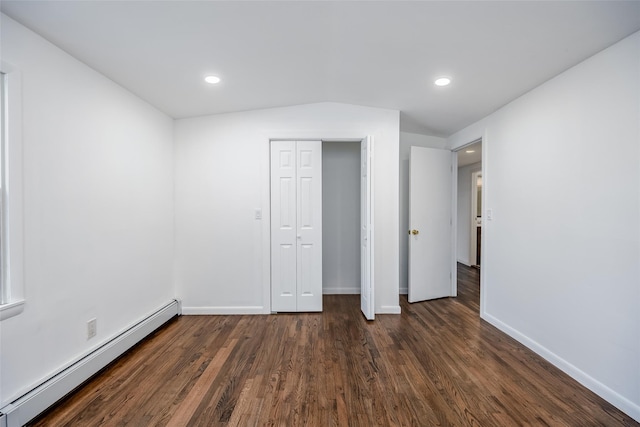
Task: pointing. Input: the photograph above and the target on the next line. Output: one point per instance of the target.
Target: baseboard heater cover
(40, 398)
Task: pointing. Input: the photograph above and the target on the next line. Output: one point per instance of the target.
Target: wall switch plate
(489, 214)
(258, 213)
(92, 328)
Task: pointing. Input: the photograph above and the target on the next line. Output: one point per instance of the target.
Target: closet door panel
(309, 221)
(283, 226)
(309, 296)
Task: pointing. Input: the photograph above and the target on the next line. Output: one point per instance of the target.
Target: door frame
(265, 173)
(485, 185)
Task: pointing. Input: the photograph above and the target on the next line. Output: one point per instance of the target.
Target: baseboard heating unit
(41, 397)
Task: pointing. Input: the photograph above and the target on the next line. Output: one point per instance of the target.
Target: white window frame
(12, 253)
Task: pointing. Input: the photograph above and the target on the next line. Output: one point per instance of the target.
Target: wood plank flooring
(435, 364)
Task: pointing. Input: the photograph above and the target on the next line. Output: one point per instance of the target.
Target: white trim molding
(11, 309)
(342, 290)
(388, 309)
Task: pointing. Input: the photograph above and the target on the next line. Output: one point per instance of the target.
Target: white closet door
(309, 226)
(296, 226)
(283, 226)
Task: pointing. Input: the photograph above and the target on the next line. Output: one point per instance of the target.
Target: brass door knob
(415, 232)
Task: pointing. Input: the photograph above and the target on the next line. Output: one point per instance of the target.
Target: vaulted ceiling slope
(379, 54)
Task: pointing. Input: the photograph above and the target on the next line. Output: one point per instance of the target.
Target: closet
(296, 227)
(341, 217)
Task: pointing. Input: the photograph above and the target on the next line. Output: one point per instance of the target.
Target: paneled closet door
(283, 226)
(309, 283)
(296, 226)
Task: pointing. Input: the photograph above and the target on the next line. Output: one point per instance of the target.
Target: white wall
(406, 141)
(340, 217)
(222, 176)
(97, 211)
(561, 261)
(464, 212)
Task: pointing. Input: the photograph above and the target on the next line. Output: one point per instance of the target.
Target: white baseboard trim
(617, 400)
(388, 309)
(346, 290)
(404, 291)
(196, 311)
(49, 391)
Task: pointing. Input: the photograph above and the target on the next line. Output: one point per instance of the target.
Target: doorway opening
(340, 217)
(470, 195)
(476, 219)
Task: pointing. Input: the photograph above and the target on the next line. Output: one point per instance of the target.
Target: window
(4, 291)
(11, 235)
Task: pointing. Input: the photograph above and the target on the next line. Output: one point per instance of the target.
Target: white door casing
(296, 226)
(430, 224)
(367, 303)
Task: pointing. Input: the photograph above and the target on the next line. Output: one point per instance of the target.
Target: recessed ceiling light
(470, 151)
(442, 81)
(212, 79)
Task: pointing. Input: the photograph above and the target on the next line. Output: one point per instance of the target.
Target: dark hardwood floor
(435, 364)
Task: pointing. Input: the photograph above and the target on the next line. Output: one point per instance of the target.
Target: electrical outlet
(92, 328)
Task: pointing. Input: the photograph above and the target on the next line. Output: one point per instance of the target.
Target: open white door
(430, 222)
(366, 229)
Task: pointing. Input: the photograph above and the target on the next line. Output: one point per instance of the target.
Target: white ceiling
(379, 54)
